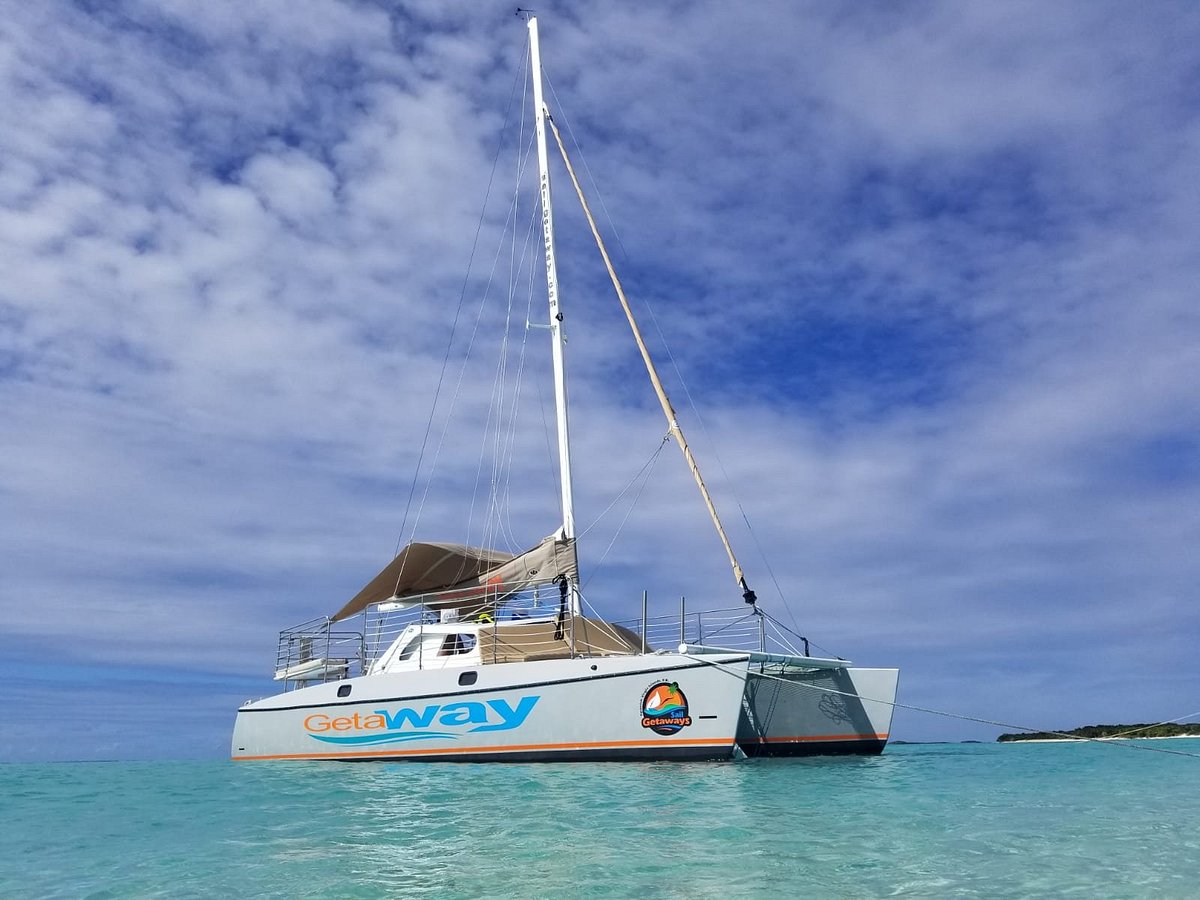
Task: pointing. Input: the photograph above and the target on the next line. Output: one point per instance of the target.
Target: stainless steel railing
(314, 651)
(319, 650)
(733, 628)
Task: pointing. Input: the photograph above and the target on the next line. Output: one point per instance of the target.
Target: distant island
(1093, 732)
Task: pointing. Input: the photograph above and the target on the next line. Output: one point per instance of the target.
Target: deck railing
(320, 650)
(317, 651)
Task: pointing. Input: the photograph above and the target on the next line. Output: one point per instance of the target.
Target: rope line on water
(949, 715)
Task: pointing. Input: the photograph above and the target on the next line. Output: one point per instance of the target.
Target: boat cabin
(448, 645)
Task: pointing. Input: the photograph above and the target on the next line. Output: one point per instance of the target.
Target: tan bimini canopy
(453, 576)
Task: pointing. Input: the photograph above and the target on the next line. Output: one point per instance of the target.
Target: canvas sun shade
(453, 576)
(525, 642)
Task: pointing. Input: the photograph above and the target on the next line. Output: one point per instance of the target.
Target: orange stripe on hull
(515, 748)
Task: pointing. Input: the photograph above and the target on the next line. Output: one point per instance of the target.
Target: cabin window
(466, 678)
(410, 648)
(344, 690)
(456, 644)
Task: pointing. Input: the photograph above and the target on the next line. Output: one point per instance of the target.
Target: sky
(921, 276)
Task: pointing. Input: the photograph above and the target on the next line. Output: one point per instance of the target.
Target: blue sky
(928, 270)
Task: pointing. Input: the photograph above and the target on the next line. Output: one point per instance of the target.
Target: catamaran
(456, 652)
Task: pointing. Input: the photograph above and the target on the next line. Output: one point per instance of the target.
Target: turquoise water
(920, 821)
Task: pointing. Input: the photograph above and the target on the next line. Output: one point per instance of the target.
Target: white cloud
(930, 275)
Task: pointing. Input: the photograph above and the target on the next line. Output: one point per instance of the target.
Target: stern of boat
(795, 711)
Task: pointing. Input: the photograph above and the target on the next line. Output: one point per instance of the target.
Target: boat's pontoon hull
(567, 709)
(791, 711)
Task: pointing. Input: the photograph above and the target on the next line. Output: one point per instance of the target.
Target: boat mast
(556, 318)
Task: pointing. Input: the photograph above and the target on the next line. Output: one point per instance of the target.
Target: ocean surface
(932, 820)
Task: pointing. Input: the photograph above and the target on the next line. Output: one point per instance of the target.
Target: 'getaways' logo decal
(384, 726)
(665, 708)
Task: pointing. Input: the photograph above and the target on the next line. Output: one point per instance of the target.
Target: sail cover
(453, 576)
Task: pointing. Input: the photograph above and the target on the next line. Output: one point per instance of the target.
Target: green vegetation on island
(1108, 731)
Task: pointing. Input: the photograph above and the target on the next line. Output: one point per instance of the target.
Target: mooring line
(1109, 742)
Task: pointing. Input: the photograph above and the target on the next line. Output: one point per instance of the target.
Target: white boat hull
(797, 712)
(566, 709)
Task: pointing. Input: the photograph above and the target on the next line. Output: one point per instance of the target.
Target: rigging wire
(591, 179)
(647, 467)
(949, 715)
(496, 407)
(543, 405)
(675, 366)
(776, 623)
(649, 462)
(518, 390)
(450, 342)
(506, 438)
(501, 508)
(462, 373)
(720, 461)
